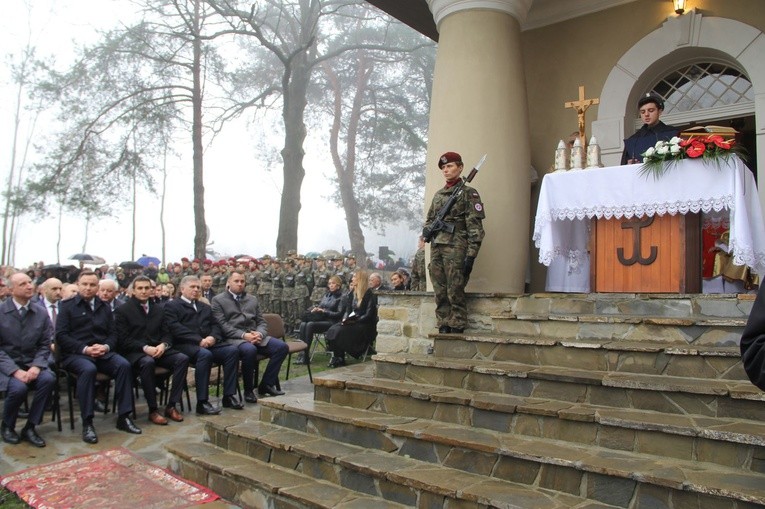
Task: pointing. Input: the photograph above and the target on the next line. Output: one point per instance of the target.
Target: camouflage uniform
(320, 279)
(344, 274)
(251, 287)
(300, 300)
(276, 287)
(449, 250)
(264, 288)
(288, 295)
(418, 271)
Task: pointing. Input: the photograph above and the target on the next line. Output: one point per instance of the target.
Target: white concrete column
(479, 106)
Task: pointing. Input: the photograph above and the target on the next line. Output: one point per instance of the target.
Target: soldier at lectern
(650, 109)
(454, 227)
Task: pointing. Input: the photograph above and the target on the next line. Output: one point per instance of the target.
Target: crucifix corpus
(581, 107)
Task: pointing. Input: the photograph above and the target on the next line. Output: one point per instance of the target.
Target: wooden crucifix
(581, 107)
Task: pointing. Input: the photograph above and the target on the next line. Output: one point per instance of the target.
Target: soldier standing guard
(453, 253)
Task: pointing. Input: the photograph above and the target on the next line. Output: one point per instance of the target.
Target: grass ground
(9, 500)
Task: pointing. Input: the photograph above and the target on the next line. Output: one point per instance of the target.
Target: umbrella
(144, 260)
(88, 258)
(329, 253)
(245, 259)
(131, 265)
(312, 254)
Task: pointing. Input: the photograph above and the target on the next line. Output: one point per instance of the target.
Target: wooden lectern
(660, 254)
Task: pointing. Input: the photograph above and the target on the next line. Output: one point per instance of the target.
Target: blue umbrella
(146, 260)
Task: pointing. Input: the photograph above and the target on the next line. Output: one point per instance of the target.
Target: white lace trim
(645, 209)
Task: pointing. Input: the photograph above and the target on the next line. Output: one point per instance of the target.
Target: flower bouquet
(716, 148)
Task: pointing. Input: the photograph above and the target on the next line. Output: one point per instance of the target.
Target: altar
(569, 201)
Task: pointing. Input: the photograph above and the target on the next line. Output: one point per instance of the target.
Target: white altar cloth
(568, 200)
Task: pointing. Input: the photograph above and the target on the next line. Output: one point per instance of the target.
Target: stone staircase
(587, 402)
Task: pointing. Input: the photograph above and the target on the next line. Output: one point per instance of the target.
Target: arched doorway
(684, 40)
(703, 92)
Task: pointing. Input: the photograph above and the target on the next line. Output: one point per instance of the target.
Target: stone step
(251, 482)
(631, 304)
(737, 443)
(659, 393)
(683, 330)
(397, 478)
(648, 357)
(620, 478)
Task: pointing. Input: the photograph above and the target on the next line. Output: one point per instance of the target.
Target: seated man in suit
(242, 322)
(25, 337)
(194, 332)
(85, 336)
(138, 324)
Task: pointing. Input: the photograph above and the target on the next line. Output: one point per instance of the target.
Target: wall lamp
(679, 6)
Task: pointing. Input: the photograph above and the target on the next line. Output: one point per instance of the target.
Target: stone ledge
(697, 477)
(740, 431)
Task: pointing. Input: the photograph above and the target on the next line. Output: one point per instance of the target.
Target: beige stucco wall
(558, 58)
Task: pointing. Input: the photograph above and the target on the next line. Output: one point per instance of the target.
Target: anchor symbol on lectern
(636, 225)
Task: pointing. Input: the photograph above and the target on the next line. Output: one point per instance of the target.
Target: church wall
(582, 51)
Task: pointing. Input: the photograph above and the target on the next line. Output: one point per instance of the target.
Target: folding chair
(275, 326)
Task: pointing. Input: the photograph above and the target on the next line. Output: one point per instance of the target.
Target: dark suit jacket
(23, 344)
(187, 327)
(236, 318)
(135, 329)
(78, 326)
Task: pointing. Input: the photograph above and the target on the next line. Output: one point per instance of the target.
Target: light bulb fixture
(679, 6)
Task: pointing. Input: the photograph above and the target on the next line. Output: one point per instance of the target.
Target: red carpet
(113, 478)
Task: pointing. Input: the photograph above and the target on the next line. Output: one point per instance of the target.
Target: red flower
(684, 143)
(719, 141)
(696, 149)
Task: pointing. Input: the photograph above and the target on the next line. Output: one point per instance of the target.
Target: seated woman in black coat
(358, 328)
(322, 316)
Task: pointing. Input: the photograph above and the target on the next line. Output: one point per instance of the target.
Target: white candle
(561, 157)
(577, 156)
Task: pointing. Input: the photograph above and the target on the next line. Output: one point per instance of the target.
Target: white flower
(675, 140)
(675, 149)
(663, 150)
(660, 144)
(649, 152)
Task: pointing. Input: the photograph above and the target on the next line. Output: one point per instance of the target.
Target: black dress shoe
(269, 390)
(458, 330)
(206, 408)
(30, 435)
(89, 434)
(444, 329)
(232, 402)
(99, 406)
(126, 424)
(250, 397)
(299, 359)
(9, 435)
(337, 362)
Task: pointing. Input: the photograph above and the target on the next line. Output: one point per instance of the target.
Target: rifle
(438, 224)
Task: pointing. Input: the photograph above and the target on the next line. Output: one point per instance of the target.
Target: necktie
(23, 311)
(145, 307)
(237, 298)
(53, 314)
(194, 303)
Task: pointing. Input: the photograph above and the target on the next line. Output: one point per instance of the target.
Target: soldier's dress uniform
(449, 251)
